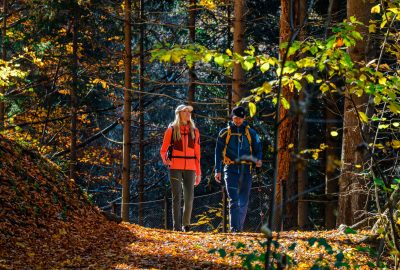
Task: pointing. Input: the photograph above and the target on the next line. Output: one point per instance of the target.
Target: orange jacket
(186, 151)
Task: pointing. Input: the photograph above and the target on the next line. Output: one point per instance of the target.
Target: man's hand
(197, 181)
(218, 177)
(259, 163)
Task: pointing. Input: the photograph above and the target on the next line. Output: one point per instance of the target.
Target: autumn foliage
(47, 222)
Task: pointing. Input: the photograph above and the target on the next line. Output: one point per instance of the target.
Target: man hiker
(236, 141)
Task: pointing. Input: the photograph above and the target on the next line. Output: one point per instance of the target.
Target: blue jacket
(238, 145)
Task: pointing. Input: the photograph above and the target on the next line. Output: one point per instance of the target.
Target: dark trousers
(179, 178)
(238, 189)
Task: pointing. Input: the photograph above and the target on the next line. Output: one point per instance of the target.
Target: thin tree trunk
(141, 111)
(228, 4)
(74, 97)
(351, 193)
(126, 150)
(288, 127)
(192, 39)
(332, 153)
(302, 171)
(238, 90)
(3, 57)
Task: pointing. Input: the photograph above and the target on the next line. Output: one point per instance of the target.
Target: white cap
(183, 107)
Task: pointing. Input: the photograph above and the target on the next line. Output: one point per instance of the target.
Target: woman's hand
(167, 162)
(197, 181)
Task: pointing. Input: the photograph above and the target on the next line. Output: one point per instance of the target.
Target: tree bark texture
(332, 154)
(351, 184)
(288, 128)
(238, 90)
(141, 113)
(126, 150)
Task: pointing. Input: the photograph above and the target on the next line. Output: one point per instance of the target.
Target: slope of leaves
(46, 223)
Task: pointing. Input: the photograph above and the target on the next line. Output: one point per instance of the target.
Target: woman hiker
(180, 151)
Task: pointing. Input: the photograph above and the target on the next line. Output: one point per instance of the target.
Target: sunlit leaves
(363, 117)
(334, 133)
(252, 109)
(376, 9)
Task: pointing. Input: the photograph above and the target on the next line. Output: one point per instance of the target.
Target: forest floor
(46, 222)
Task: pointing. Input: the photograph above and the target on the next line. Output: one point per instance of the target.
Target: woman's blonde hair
(176, 124)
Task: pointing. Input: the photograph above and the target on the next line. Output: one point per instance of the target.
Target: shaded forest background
(92, 86)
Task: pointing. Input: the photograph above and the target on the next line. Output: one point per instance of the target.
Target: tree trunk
(238, 90)
(351, 193)
(228, 4)
(302, 171)
(3, 57)
(126, 150)
(192, 40)
(141, 113)
(332, 153)
(288, 130)
(74, 98)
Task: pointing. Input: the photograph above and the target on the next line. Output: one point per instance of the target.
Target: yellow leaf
(358, 166)
(229, 52)
(382, 80)
(363, 117)
(395, 144)
(290, 146)
(252, 109)
(372, 28)
(267, 87)
(334, 133)
(315, 155)
(376, 9)
(64, 92)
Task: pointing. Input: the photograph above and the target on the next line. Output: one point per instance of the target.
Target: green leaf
(250, 50)
(309, 78)
(349, 230)
(285, 103)
(324, 88)
(379, 182)
(222, 252)
(207, 57)
(292, 246)
(298, 85)
(356, 35)
(264, 67)
(247, 65)
(219, 60)
(252, 109)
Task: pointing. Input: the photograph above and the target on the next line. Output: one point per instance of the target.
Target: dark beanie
(238, 111)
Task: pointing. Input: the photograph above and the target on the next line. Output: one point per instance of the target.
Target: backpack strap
(227, 160)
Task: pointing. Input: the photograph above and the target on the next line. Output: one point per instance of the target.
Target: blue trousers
(238, 189)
